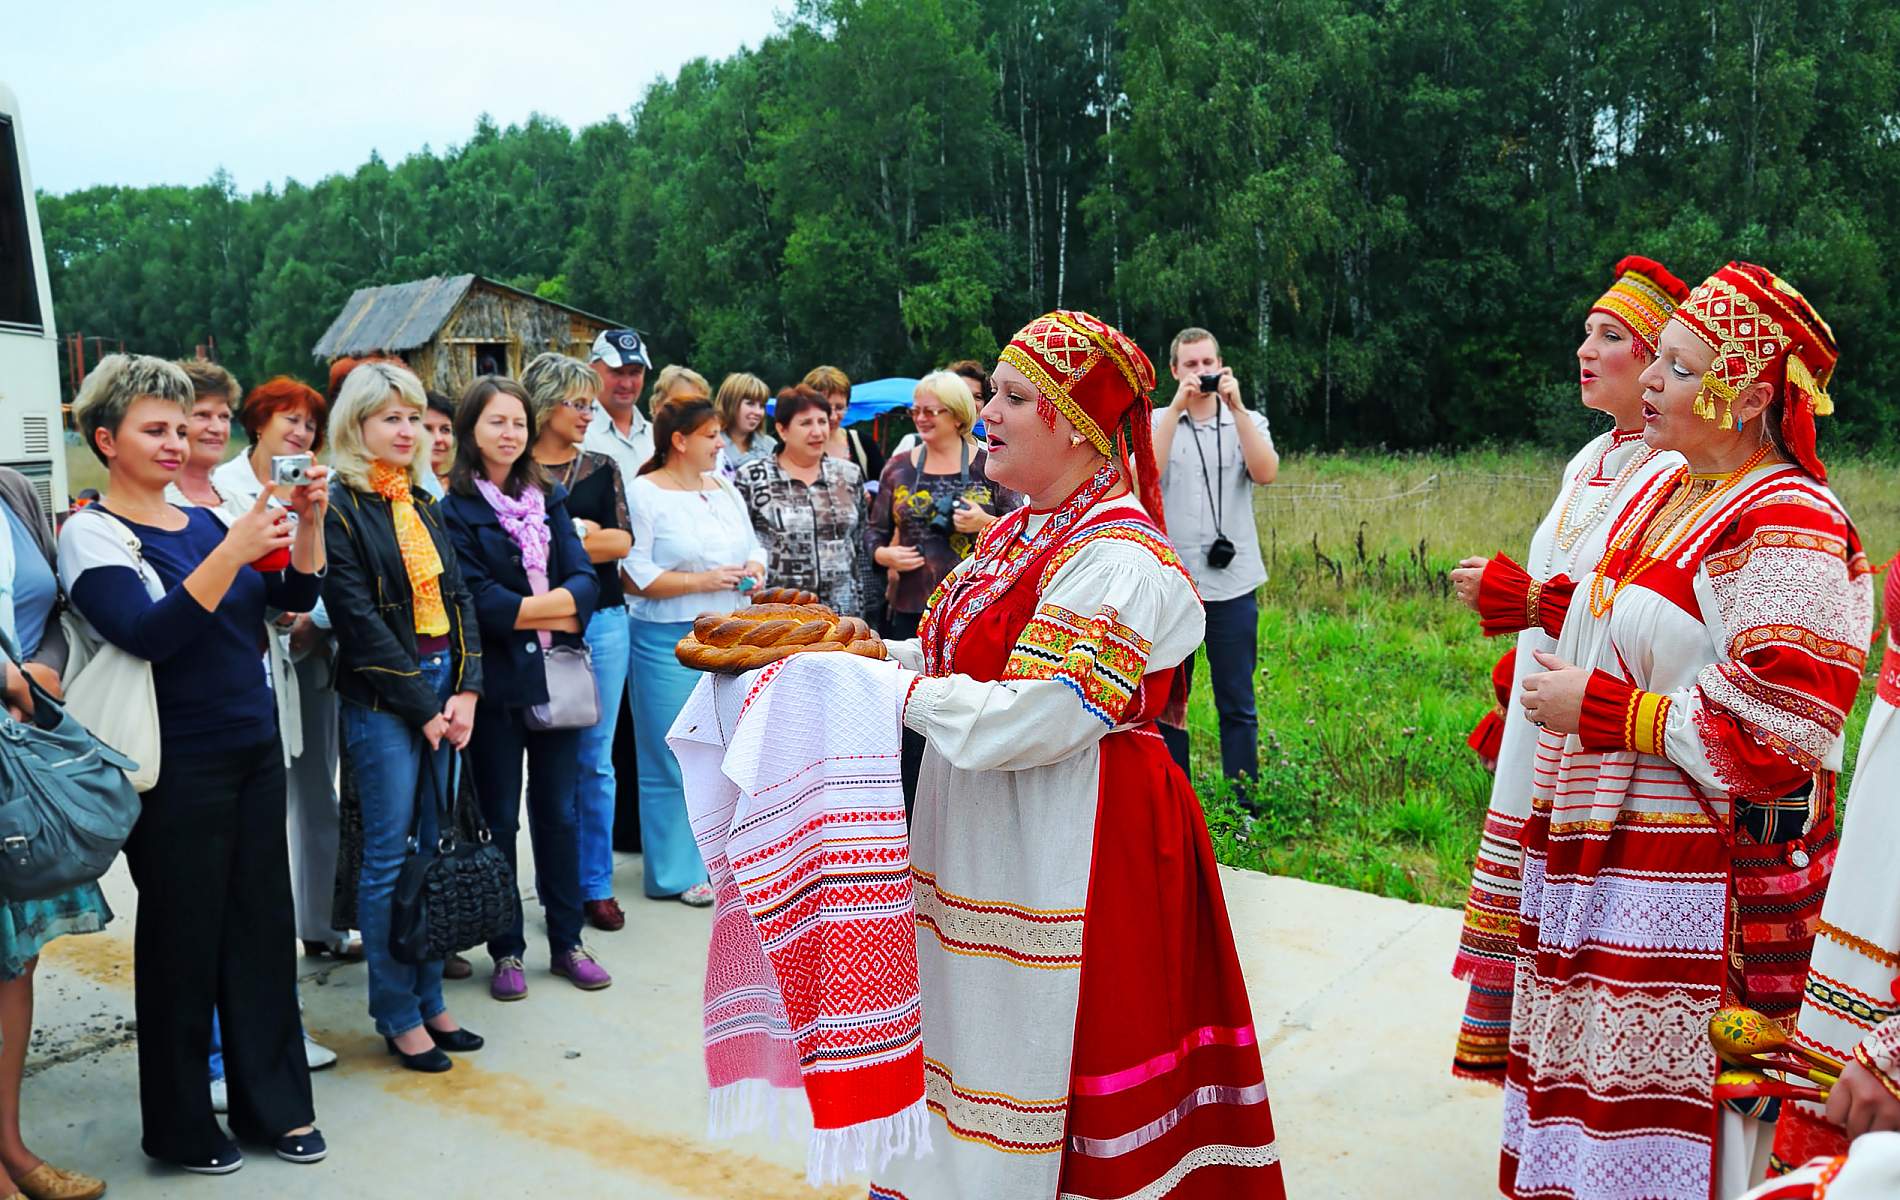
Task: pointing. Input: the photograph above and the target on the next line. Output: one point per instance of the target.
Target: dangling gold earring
(1075, 439)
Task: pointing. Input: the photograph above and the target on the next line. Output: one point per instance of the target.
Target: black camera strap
(1213, 496)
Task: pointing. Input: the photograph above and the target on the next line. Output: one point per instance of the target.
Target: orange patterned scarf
(419, 557)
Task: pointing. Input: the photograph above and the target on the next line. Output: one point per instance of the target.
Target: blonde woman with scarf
(408, 674)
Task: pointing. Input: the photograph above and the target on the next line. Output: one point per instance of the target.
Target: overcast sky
(116, 91)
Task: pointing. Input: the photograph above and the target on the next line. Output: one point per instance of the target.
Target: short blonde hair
(734, 391)
(365, 391)
(116, 383)
(676, 380)
(950, 391)
(829, 381)
(552, 379)
(210, 379)
(1192, 333)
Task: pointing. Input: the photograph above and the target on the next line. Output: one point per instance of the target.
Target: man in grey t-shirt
(1213, 451)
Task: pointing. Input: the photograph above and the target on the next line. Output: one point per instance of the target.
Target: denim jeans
(595, 794)
(1233, 633)
(386, 752)
(553, 762)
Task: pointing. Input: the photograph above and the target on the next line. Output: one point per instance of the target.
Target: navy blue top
(35, 590)
(513, 670)
(207, 667)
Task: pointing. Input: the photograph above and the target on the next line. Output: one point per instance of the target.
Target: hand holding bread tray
(779, 622)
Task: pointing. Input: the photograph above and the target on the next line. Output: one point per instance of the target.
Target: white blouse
(687, 531)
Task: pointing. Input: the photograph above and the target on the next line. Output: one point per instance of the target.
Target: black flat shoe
(225, 1160)
(301, 1148)
(459, 1040)
(430, 1062)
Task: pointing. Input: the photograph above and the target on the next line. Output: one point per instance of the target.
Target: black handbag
(456, 894)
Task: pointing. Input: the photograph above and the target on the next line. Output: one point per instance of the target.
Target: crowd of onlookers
(333, 614)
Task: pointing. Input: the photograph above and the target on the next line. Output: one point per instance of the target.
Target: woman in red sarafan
(1086, 1028)
(1619, 342)
(1682, 823)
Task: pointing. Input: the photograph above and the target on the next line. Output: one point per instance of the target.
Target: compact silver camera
(289, 470)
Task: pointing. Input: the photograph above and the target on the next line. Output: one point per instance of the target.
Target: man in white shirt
(619, 429)
(1213, 452)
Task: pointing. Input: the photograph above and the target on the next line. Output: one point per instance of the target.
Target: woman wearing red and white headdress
(1682, 821)
(1619, 342)
(1092, 1041)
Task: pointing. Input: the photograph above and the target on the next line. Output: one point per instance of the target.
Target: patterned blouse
(813, 532)
(907, 499)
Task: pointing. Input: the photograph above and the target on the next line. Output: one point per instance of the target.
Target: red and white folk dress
(1086, 1028)
(1678, 846)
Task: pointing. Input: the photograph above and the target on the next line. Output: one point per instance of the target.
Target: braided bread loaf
(764, 632)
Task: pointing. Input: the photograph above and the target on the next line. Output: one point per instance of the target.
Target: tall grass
(1371, 674)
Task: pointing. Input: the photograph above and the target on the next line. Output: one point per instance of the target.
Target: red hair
(340, 370)
(283, 394)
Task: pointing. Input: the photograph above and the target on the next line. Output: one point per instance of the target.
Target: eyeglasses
(576, 405)
(930, 413)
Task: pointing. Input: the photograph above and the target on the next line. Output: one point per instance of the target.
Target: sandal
(700, 895)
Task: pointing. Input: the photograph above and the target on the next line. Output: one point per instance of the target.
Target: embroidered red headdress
(1100, 380)
(1761, 328)
(1643, 296)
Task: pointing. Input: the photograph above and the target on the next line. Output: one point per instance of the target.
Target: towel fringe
(747, 1106)
(868, 1146)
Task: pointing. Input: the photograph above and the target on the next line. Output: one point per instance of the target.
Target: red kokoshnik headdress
(1100, 380)
(1761, 328)
(1643, 296)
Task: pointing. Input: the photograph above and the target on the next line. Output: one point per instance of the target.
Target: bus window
(19, 290)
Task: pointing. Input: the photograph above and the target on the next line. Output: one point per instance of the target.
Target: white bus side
(32, 435)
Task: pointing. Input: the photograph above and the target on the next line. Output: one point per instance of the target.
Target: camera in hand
(943, 515)
(289, 470)
(1210, 383)
(1220, 552)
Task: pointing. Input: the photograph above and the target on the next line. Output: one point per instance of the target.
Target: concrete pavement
(603, 1094)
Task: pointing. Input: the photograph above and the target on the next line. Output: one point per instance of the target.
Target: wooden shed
(450, 329)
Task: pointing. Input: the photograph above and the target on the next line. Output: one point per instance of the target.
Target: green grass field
(1371, 674)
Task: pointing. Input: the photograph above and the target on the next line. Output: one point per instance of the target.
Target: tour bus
(32, 435)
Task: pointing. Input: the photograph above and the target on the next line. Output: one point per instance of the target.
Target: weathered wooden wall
(525, 325)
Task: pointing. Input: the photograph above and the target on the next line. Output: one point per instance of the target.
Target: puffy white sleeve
(1112, 614)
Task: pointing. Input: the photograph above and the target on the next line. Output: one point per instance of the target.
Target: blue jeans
(1233, 633)
(594, 791)
(386, 753)
(661, 689)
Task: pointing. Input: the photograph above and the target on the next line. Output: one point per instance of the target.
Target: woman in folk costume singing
(1619, 343)
(1086, 1028)
(1850, 1009)
(1682, 819)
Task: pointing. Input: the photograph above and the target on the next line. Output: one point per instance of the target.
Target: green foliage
(1392, 214)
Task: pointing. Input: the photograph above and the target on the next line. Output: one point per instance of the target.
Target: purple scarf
(524, 519)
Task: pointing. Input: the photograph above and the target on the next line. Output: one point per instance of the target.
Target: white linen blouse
(687, 531)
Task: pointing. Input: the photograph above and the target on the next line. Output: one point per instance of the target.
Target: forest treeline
(1394, 214)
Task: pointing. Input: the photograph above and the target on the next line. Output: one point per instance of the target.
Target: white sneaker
(315, 1054)
(220, 1097)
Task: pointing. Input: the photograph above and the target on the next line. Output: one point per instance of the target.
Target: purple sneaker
(580, 969)
(509, 982)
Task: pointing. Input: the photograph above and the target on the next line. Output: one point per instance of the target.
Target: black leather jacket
(367, 595)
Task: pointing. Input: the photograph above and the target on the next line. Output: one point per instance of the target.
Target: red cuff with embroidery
(1509, 600)
(1618, 715)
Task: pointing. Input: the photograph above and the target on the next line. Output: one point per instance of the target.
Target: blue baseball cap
(620, 348)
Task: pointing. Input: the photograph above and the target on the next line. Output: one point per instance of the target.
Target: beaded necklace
(1660, 509)
(1572, 526)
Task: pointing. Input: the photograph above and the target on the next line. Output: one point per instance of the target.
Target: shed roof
(401, 316)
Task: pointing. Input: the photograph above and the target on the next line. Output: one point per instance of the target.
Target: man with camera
(1213, 451)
